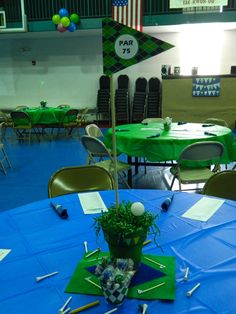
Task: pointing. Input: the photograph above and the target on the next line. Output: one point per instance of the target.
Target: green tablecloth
(134, 141)
(48, 115)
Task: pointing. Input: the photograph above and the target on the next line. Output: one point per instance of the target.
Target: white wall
(68, 65)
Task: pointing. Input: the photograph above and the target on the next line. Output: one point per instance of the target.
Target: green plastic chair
(97, 148)
(194, 163)
(222, 184)
(79, 179)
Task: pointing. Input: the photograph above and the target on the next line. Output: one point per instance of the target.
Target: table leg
(129, 159)
(136, 165)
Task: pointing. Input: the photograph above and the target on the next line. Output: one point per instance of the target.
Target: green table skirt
(134, 140)
(46, 115)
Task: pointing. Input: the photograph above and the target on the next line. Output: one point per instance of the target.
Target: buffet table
(41, 243)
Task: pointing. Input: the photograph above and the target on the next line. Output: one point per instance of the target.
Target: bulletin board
(179, 103)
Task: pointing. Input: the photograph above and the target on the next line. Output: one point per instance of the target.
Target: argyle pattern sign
(124, 46)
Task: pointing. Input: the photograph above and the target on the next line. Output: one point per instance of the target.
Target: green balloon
(74, 18)
(65, 21)
(56, 19)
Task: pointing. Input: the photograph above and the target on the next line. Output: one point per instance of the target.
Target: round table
(155, 144)
(41, 243)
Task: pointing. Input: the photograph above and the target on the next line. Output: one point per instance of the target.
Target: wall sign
(206, 87)
(196, 3)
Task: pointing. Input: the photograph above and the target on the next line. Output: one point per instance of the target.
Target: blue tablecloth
(42, 242)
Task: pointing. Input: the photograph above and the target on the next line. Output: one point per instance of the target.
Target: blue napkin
(60, 210)
(167, 202)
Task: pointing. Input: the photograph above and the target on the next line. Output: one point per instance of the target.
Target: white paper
(203, 209)
(92, 203)
(4, 253)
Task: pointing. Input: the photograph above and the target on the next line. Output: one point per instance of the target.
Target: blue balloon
(71, 27)
(63, 12)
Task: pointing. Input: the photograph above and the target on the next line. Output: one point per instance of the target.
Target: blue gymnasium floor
(34, 163)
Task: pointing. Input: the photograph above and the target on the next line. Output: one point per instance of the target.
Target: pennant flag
(123, 46)
(128, 12)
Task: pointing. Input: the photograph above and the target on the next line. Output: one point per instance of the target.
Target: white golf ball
(137, 209)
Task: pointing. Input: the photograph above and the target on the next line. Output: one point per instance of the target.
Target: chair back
(70, 117)
(222, 184)
(154, 85)
(79, 179)
(151, 120)
(95, 147)
(71, 113)
(63, 106)
(141, 84)
(201, 154)
(216, 121)
(21, 107)
(93, 130)
(20, 119)
(81, 118)
(104, 82)
(123, 81)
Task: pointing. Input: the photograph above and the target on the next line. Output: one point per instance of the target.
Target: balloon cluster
(64, 22)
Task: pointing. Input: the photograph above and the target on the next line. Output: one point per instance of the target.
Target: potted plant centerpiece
(43, 103)
(125, 228)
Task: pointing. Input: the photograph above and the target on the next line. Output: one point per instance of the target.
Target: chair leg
(3, 169)
(172, 182)
(124, 181)
(179, 185)
(6, 157)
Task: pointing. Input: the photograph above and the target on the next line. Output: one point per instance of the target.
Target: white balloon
(137, 209)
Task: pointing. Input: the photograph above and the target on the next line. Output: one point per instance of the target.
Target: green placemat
(78, 284)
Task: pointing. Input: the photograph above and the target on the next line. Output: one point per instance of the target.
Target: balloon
(61, 28)
(74, 18)
(63, 12)
(71, 27)
(65, 21)
(56, 18)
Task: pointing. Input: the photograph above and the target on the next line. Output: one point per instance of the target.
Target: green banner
(124, 46)
(196, 3)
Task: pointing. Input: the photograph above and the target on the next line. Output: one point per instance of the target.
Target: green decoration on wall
(123, 46)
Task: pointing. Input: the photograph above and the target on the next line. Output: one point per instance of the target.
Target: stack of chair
(103, 98)
(153, 98)
(122, 102)
(139, 100)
